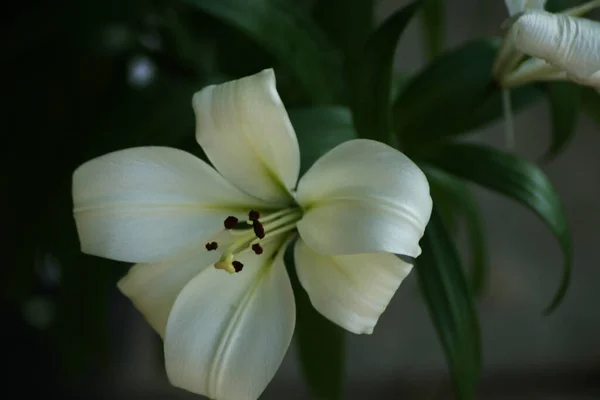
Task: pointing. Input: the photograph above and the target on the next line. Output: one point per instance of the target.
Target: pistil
(258, 229)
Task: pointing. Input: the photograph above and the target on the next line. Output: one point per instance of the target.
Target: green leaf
(433, 24)
(347, 23)
(372, 77)
(319, 130)
(490, 109)
(590, 102)
(193, 41)
(399, 83)
(453, 95)
(515, 178)
(447, 90)
(555, 6)
(288, 34)
(451, 306)
(321, 343)
(563, 100)
(453, 196)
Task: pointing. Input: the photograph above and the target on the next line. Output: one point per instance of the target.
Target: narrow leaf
(372, 77)
(454, 196)
(516, 178)
(347, 23)
(555, 6)
(490, 108)
(399, 83)
(433, 24)
(453, 95)
(590, 102)
(445, 91)
(451, 306)
(319, 130)
(283, 30)
(321, 343)
(564, 101)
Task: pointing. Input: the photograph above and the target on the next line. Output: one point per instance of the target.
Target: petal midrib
(271, 173)
(168, 207)
(358, 286)
(222, 351)
(382, 204)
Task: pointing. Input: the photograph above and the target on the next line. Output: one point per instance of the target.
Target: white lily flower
(226, 333)
(562, 46)
(560, 43)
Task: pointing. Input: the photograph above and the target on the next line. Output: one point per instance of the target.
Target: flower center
(251, 233)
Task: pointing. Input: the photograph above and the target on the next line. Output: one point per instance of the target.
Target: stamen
(277, 215)
(258, 228)
(245, 239)
(238, 266)
(230, 222)
(279, 231)
(211, 246)
(257, 249)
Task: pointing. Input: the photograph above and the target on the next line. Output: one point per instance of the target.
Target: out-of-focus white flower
(562, 46)
(226, 329)
(560, 43)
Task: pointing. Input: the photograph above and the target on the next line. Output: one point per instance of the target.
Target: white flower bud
(569, 43)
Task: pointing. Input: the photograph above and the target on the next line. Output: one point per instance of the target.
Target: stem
(531, 71)
(578, 11)
(509, 131)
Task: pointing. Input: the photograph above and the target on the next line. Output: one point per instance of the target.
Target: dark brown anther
(238, 266)
(212, 246)
(257, 249)
(253, 215)
(259, 230)
(230, 222)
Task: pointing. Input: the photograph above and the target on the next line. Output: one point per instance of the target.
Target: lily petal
(531, 70)
(592, 80)
(364, 197)
(148, 204)
(246, 133)
(570, 43)
(227, 334)
(153, 288)
(517, 6)
(351, 291)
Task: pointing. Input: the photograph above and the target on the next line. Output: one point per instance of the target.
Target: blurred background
(81, 78)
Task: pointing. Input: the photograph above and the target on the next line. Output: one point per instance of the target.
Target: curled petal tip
(570, 43)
